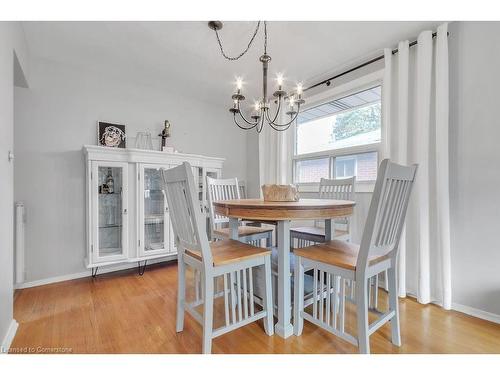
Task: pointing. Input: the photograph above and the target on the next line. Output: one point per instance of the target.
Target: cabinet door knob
(124, 211)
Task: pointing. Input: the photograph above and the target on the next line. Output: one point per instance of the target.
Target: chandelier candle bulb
(299, 89)
(239, 84)
(280, 80)
(299, 100)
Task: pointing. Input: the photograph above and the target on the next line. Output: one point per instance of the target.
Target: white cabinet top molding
(133, 155)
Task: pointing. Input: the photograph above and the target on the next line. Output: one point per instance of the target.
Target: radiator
(20, 242)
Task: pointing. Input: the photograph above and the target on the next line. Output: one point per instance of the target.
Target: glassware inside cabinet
(154, 210)
(110, 205)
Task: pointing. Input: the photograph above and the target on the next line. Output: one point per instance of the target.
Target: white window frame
(338, 92)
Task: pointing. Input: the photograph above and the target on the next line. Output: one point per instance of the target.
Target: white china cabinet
(127, 212)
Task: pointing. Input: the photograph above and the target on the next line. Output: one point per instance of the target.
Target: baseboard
(79, 275)
(9, 337)
(481, 314)
(472, 311)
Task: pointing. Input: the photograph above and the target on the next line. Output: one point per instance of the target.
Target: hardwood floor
(126, 313)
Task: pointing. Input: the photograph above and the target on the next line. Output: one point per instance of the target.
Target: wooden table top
(303, 209)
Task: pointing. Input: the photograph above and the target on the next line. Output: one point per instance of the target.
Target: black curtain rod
(328, 80)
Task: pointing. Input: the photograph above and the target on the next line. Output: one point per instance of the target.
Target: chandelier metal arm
(279, 129)
(244, 119)
(272, 123)
(259, 128)
(278, 109)
(244, 127)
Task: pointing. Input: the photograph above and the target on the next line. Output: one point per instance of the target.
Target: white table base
(283, 328)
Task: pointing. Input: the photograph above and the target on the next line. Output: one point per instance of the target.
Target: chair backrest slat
(387, 211)
(342, 189)
(185, 214)
(220, 190)
(243, 190)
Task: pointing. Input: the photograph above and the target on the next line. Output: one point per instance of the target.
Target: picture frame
(111, 135)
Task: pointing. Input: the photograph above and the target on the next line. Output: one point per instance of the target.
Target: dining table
(282, 214)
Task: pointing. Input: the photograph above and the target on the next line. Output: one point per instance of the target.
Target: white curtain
(275, 155)
(415, 126)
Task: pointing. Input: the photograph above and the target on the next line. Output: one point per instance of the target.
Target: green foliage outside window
(362, 120)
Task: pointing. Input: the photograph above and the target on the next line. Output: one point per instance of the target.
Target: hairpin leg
(142, 268)
(94, 271)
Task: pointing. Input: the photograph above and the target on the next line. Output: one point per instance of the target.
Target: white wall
(11, 42)
(475, 163)
(57, 116)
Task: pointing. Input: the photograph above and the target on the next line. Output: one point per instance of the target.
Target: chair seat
(315, 231)
(259, 222)
(230, 251)
(336, 253)
(243, 231)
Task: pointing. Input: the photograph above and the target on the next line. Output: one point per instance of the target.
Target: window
(345, 166)
(339, 138)
(312, 170)
(363, 166)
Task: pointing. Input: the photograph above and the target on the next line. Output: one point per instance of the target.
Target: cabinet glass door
(111, 223)
(154, 208)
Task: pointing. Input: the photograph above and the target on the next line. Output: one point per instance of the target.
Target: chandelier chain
(233, 58)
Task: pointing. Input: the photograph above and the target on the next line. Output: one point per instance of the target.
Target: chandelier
(261, 112)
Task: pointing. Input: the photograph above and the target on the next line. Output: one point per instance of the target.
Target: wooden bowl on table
(280, 193)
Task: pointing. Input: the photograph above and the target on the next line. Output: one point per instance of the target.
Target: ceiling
(184, 56)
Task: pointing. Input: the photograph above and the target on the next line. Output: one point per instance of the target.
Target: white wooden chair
(231, 260)
(253, 223)
(225, 189)
(336, 261)
(342, 189)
